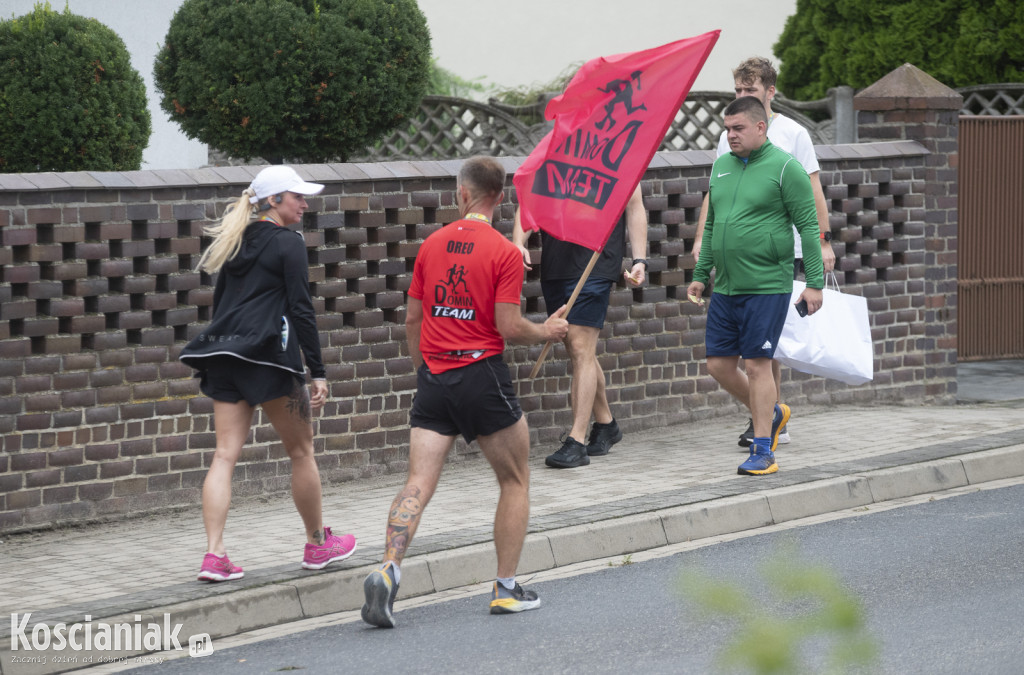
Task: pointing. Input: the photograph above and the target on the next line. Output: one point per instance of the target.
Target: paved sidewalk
(990, 381)
(656, 487)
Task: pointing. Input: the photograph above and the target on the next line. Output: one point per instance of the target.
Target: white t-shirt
(794, 139)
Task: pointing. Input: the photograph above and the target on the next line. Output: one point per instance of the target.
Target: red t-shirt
(460, 272)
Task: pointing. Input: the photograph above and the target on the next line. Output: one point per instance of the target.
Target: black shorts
(474, 400)
(230, 380)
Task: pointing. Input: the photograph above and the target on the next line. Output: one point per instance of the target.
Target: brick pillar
(909, 104)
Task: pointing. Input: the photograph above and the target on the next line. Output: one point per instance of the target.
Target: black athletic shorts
(231, 380)
(474, 400)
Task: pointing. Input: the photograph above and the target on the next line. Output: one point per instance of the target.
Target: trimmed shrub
(857, 42)
(69, 97)
(303, 80)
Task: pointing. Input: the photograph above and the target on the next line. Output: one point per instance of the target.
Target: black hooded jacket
(262, 311)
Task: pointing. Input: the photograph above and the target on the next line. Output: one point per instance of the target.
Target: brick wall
(98, 419)
(909, 104)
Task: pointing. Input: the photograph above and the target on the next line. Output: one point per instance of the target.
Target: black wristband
(639, 260)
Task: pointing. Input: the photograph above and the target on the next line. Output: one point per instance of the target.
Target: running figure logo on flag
(609, 122)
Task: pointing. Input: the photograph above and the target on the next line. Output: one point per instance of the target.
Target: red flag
(609, 123)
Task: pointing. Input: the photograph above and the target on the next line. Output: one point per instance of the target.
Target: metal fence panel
(991, 238)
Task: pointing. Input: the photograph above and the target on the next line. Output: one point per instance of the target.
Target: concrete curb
(296, 599)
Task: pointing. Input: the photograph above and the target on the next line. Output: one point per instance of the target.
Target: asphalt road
(942, 584)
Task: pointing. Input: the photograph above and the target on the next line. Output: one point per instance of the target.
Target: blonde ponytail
(227, 234)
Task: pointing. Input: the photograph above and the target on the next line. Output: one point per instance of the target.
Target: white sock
(509, 583)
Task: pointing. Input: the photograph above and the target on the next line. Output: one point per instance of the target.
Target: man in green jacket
(757, 193)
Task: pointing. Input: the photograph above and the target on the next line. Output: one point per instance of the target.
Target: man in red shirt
(463, 306)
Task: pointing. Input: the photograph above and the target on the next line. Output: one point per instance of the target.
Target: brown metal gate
(990, 303)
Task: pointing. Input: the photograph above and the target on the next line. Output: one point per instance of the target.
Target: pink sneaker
(219, 568)
(334, 548)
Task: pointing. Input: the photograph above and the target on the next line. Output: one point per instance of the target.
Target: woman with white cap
(249, 355)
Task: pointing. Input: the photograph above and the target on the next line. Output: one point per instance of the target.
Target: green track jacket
(748, 236)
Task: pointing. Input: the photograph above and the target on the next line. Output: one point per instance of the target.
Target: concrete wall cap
(908, 88)
(369, 171)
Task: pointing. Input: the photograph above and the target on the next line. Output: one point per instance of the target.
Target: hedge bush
(303, 80)
(857, 42)
(69, 97)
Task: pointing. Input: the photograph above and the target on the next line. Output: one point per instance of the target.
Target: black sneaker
(504, 601)
(569, 456)
(603, 437)
(747, 437)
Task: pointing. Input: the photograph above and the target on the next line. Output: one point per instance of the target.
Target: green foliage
(536, 95)
(306, 80)
(444, 82)
(814, 604)
(856, 42)
(536, 92)
(69, 97)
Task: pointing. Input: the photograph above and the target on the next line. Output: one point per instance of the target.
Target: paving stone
(659, 486)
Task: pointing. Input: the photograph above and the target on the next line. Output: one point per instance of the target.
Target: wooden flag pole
(568, 306)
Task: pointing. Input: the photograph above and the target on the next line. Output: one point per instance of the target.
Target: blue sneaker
(779, 423)
(760, 462)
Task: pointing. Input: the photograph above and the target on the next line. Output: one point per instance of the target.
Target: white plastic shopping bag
(834, 342)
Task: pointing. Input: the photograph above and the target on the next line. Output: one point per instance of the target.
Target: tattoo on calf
(405, 515)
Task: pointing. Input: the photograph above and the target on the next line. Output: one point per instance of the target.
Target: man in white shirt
(756, 77)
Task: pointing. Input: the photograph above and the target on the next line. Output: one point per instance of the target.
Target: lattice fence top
(447, 128)
(450, 128)
(698, 124)
(993, 99)
(453, 128)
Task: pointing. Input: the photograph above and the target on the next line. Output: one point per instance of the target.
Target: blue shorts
(591, 304)
(474, 400)
(745, 325)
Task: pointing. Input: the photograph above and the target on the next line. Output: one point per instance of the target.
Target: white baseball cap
(277, 179)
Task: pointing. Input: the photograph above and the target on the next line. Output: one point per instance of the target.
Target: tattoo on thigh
(298, 403)
(405, 515)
